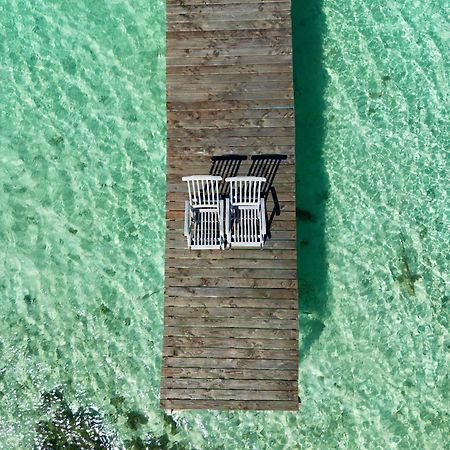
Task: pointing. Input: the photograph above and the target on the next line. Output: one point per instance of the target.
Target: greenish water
(82, 160)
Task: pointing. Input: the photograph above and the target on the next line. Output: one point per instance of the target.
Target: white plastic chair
(203, 214)
(245, 212)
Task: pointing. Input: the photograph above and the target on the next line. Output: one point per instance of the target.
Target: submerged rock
(57, 140)
(66, 429)
(407, 277)
(29, 299)
(171, 422)
(117, 401)
(135, 419)
(104, 309)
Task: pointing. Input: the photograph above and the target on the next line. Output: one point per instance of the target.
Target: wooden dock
(230, 317)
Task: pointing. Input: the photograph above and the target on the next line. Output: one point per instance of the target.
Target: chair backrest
(226, 166)
(266, 166)
(203, 190)
(245, 191)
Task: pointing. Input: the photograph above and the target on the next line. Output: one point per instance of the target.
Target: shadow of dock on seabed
(310, 79)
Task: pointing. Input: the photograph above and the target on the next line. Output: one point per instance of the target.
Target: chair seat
(246, 228)
(206, 230)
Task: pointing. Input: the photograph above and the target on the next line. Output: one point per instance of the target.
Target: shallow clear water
(82, 159)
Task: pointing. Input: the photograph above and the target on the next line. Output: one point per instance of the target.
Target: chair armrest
(263, 218)
(186, 218)
(227, 220)
(221, 220)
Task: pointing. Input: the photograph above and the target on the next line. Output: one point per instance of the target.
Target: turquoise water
(82, 159)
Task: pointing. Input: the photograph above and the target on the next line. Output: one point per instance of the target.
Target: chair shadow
(267, 166)
(310, 80)
(226, 166)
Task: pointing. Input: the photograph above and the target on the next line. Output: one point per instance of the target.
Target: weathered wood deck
(230, 317)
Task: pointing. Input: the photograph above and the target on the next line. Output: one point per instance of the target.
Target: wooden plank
(230, 405)
(223, 60)
(227, 322)
(216, 106)
(172, 3)
(201, 25)
(207, 281)
(229, 264)
(214, 383)
(261, 67)
(227, 78)
(236, 343)
(246, 333)
(230, 374)
(184, 259)
(234, 273)
(179, 291)
(229, 15)
(220, 394)
(235, 353)
(235, 10)
(230, 113)
(230, 123)
(241, 312)
(230, 95)
(180, 257)
(185, 55)
(204, 280)
(230, 11)
(209, 151)
(226, 43)
(232, 302)
(230, 363)
(234, 141)
(227, 133)
(219, 86)
(227, 34)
